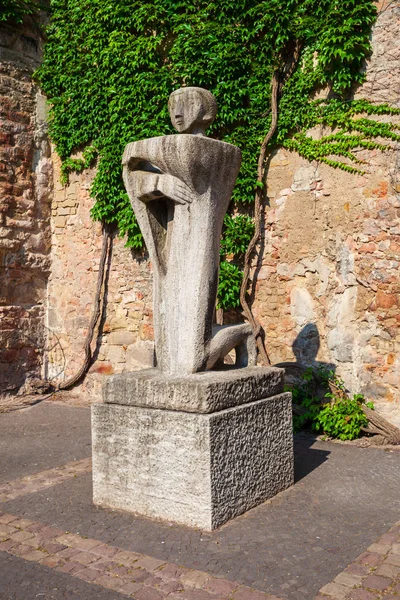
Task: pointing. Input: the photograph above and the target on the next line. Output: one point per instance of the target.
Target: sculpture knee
(232, 337)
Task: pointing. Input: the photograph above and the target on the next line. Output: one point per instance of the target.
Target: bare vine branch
(277, 82)
(105, 251)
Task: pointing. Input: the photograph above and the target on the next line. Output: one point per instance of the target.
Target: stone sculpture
(187, 441)
(180, 187)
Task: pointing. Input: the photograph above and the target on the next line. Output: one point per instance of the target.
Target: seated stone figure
(180, 188)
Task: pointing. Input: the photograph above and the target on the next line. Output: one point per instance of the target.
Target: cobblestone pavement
(345, 498)
(374, 575)
(42, 437)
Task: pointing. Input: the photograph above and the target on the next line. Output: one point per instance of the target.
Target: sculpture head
(192, 110)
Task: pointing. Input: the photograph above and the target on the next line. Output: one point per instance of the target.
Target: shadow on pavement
(307, 458)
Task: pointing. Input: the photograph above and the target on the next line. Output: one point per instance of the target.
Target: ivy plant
(109, 68)
(14, 11)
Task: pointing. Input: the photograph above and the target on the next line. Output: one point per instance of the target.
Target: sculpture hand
(174, 188)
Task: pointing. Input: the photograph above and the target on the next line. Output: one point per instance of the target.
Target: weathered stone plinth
(196, 468)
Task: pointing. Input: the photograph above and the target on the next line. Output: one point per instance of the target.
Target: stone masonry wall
(328, 286)
(25, 194)
(76, 247)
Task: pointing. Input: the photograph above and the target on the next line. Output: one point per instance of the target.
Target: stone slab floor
(335, 534)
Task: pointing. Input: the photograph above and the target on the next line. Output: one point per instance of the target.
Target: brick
(376, 582)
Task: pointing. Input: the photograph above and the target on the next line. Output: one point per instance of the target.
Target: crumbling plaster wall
(25, 195)
(328, 285)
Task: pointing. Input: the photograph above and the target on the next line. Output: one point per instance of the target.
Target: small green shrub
(342, 417)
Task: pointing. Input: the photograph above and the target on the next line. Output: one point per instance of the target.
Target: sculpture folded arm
(149, 186)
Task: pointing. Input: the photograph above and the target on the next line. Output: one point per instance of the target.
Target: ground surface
(344, 499)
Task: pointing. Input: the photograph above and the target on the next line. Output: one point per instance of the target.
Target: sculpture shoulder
(180, 142)
(142, 148)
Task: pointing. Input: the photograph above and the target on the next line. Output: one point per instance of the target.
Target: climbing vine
(109, 68)
(14, 11)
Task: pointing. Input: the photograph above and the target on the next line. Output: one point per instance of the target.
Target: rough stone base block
(195, 469)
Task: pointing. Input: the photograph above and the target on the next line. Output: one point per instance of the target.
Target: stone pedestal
(221, 444)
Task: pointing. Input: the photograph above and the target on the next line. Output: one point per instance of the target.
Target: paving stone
(376, 582)
(393, 559)
(112, 583)
(87, 574)
(171, 571)
(23, 580)
(86, 558)
(380, 548)
(106, 551)
(244, 593)
(388, 570)
(372, 559)
(52, 561)
(348, 579)
(130, 588)
(195, 579)
(20, 536)
(34, 555)
(220, 587)
(270, 540)
(335, 590)
(149, 594)
(149, 563)
(357, 569)
(44, 426)
(361, 594)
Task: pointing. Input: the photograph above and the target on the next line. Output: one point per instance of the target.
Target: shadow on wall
(305, 348)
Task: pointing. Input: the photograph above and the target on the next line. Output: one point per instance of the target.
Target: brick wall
(328, 283)
(25, 195)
